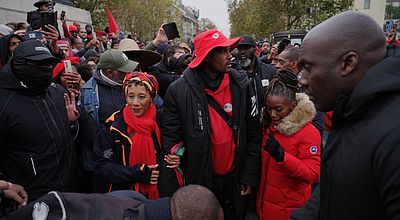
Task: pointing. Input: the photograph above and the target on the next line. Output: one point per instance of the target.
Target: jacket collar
(117, 123)
(301, 115)
(381, 81)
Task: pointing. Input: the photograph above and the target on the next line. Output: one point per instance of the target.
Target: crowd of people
(110, 120)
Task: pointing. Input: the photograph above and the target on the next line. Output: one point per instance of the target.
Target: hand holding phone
(171, 30)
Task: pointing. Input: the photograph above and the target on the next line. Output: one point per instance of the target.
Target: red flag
(111, 21)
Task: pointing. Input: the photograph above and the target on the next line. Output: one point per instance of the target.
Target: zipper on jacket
(33, 165)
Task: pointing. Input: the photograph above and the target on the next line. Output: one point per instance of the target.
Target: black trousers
(227, 192)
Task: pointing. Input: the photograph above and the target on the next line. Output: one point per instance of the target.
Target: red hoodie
(223, 146)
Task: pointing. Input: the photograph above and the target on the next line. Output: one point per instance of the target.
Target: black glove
(274, 149)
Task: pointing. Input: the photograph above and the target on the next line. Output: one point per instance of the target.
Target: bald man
(345, 71)
(288, 59)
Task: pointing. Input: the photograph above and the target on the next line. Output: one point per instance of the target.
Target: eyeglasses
(14, 43)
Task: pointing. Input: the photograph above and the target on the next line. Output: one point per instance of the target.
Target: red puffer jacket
(286, 186)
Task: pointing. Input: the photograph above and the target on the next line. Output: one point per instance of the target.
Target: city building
(189, 22)
(16, 11)
(374, 8)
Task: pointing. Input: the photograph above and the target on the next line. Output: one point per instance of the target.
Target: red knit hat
(60, 66)
(208, 40)
(73, 28)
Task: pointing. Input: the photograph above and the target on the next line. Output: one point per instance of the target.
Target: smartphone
(51, 6)
(171, 30)
(282, 45)
(62, 16)
(68, 66)
(48, 18)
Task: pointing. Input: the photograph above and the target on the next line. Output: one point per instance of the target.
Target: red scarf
(142, 148)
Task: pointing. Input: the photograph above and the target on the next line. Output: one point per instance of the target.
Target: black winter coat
(164, 76)
(186, 118)
(36, 145)
(360, 172)
(259, 81)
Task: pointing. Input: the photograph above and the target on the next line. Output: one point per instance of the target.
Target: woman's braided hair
(285, 84)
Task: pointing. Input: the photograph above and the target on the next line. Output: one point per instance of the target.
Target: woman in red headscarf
(128, 150)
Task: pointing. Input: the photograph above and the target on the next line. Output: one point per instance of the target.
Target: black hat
(33, 50)
(247, 40)
(42, 2)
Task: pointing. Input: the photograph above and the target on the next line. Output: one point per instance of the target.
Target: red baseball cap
(60, 66)
(208, 40)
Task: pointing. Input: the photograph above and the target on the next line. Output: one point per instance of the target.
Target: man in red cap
(208, 110)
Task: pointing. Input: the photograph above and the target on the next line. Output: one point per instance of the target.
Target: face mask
(244, 63)
(34, 78)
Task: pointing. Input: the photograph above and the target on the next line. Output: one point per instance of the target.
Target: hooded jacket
(286, 185)
(36, 147)
(186, 119)
(4, 45)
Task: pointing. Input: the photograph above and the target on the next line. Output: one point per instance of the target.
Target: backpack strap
(224, 115)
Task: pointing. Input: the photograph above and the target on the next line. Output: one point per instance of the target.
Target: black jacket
(360, 175)
(112, 150)
(36, 145)
(164, 75)
(259, 81)
(186, 118)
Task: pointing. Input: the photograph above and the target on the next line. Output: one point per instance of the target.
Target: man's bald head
(337, 53)
(195, 202)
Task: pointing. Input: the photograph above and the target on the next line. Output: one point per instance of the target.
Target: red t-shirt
(223, 145)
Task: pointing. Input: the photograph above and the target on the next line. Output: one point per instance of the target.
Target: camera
(38, 19)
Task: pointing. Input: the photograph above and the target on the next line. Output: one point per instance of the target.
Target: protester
(288, 60)
(291, 155)
(392, 38)
(83, 35)
(221, 154)
(345, 72)
(36, 145)
(7, 46)
(102, 95)
(92, 63)
(115, 44)
(265, 48)
(43, 5)
(170, 68)
(129, 148)
(190, 202)
(89, 32)
(259, 73)
(65, 49)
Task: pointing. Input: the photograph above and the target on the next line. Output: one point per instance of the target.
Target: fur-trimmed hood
(301, 115)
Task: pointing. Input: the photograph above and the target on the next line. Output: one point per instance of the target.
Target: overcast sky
(216, 10)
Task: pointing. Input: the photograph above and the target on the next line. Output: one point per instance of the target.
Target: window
(367, 4)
